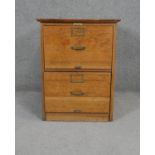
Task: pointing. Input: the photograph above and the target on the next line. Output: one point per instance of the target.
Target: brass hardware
(78, 67)
(78, 47)
(77, 110)
(77, 23)
(77, 93)
(77, 78)
(77, 31)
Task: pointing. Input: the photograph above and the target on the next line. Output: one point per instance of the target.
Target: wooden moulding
(78, 20)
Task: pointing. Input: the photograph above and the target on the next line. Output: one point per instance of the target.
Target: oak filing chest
(78, 65)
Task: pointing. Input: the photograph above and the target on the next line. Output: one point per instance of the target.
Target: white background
(7, 79)
(147, 77)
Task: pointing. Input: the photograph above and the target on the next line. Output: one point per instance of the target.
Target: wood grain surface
(77, 104)
(76, 117)
(94, 42)
(67, 84)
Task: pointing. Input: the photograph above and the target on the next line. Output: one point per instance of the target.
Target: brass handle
(78, 47)
(77, 93)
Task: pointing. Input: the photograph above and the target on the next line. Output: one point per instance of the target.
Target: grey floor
(37, 137)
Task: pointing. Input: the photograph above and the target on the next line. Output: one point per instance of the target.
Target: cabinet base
(76, 117)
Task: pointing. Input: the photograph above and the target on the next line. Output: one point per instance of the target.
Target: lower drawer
(77, 104)
(76, 117)
(81, 84)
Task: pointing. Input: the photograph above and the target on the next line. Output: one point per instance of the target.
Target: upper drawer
(78, 46)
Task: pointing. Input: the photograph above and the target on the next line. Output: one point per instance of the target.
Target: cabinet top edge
(48, 20)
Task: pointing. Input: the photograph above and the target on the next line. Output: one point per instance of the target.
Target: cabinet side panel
(113, 74)
(42, 71)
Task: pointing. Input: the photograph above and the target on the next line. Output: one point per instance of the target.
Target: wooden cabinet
(78, 62)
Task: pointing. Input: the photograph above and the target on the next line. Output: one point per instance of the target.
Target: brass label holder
(77, 30)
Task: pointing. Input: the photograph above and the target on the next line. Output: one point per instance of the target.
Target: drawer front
(77, 105)
(73, 84)
(85, 46)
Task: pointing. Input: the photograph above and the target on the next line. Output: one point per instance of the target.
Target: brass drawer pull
(78, 47)
(77, 93)
(76, 110)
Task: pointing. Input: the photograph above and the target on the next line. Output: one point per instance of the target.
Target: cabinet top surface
(48, 20)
